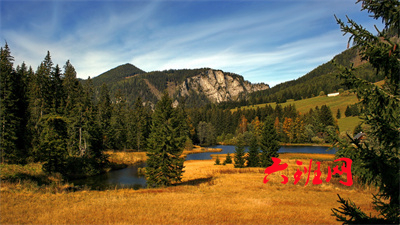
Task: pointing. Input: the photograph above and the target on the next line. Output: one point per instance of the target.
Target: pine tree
(269, 143)
(57, 91)
(228, 159)
(139, 128)
(40, 100)
(119, 121)
(347, 113)
(44, 80)
(91, 141)
(8, 106)
(338, 114)
(165, 145)
(253, 158)
(104, 116)
(23, 75)
(72, 88)
(326, 117)
(73, 109)
(206, 133)
(376, 160)
(217, 161)
(53, 144)
(239, 154)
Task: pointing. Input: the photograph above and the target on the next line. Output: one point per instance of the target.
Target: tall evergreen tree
(253, 158)
(139, 128)
(44, 75)
(376, 161)
(104, 116)
(53, 143)
(23, 76)
(206, 133)
(40, 100)
(91, 141)
(268, 143)
(72, 89)
(73, 109)
(9, 119)
(326, 117)
(239, 154)
(119, 122)
(165, 145)
(57, 91)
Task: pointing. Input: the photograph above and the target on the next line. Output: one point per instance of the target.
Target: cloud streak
(265, 41)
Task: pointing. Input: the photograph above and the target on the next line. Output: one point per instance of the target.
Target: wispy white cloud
(264, 41)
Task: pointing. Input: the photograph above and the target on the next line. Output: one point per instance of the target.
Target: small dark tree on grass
(338, 114)
(376, 161)
(228, 159)
(217, 161)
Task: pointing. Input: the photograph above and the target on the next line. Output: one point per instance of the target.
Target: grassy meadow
(208, 194)
(337, 102)
(304, 105)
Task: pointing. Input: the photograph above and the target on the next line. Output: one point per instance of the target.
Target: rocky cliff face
(218, 86)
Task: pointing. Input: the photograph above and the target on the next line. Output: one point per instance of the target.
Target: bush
(317, 140)
(217, 162)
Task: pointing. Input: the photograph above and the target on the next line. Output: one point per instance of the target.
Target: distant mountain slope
(194, 86)
(323, 78)
(116, 74)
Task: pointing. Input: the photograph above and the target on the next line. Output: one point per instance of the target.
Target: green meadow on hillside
(337, 102)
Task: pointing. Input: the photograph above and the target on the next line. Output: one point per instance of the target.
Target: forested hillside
(323, 78)
(116, 74)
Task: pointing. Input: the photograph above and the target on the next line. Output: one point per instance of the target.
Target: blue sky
(267, 41)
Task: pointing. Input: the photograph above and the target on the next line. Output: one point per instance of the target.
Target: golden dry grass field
(209, 194)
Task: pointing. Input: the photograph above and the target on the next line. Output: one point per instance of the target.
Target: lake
(231, 149)
(129, 178)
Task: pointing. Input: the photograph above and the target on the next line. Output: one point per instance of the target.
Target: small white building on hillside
(333, 94)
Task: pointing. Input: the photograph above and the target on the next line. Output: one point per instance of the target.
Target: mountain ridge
(194, 86)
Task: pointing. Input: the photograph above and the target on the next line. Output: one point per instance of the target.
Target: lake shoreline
(292, 144)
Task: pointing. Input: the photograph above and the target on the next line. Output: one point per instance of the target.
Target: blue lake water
(292, 149)
(129, 178)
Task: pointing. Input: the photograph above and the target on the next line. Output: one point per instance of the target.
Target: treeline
(215, 125)
(47, 115)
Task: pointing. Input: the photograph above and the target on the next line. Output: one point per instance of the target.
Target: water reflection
(123, 178)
